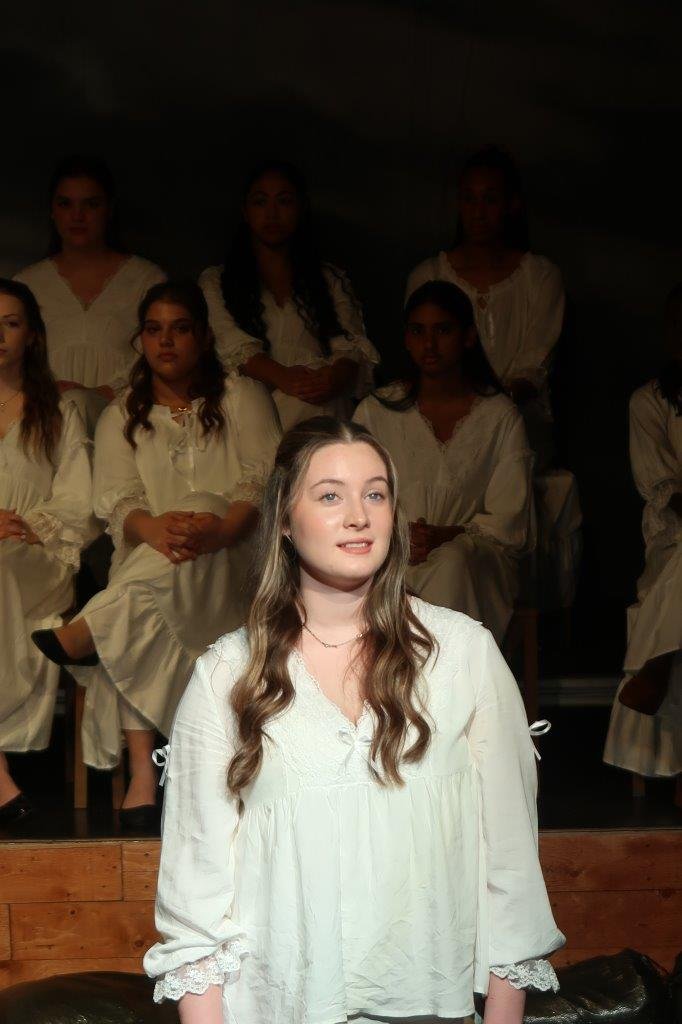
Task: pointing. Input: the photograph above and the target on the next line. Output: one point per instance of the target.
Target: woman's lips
(356, 547)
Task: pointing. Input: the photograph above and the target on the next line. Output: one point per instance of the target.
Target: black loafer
(46, 641)
(16, 809)
(143, 820)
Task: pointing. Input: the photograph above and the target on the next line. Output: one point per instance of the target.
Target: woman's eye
(329, 496)
(376, 495)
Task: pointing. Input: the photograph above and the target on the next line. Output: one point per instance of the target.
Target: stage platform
(69, 906)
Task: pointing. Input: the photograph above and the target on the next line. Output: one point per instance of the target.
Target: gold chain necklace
(343, 643)
(8, 400)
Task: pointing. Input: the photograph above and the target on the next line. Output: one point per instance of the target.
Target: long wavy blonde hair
(395, 647)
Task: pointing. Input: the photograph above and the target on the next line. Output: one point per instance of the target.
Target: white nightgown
(292, 344)
(480, 480)
(652, 744)
(36, 580)
(154, 618)
(331, 896)
(519, 321)
(91, 345)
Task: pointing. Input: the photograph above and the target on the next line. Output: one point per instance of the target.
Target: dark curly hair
(210, 374)
(494, 158)
(475, 366)
(241, 284)
(80, 166)
(41, 418)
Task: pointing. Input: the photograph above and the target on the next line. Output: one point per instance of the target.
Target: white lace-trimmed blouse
(331, 895)
(54, 498)
(519, 319)
(177, 458)
(91, 344)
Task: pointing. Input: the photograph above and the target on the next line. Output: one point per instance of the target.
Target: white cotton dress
(480, 480)
(292, 344)
(36, 580)
(332, 898)
(154, 618)
(91, 344)
(519, 321)
(652, 744)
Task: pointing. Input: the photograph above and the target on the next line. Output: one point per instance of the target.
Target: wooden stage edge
(77, 906)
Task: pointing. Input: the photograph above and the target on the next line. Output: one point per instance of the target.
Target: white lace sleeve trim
(536, 974)
(236, 357)
(197, 977)
(120, 513)
(250, 488)
(57, 538)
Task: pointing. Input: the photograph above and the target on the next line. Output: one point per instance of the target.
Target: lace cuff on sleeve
(361, 351)
(195, 978)
(249, 488)
(536, 974)
(233, 358)
(57, 538)
(120, 512)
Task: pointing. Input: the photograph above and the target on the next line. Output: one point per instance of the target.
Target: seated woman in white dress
(45, 520)
(279, 313)
(463, 461)
(180, 463)
(350, 831)
(88, 287)
(645, 731)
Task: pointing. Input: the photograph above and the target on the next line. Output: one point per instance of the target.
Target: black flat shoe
(46, 641)
(16, 809)
(143, 820)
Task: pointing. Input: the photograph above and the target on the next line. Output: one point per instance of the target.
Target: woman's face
(81, 212)
(342, 517)
(15, 334)
(435, 340)
(272, 209)
(484, 205)
(169, 341)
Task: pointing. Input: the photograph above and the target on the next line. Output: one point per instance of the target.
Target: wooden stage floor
(69, 906)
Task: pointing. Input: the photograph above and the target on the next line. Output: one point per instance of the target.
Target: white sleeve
(655, 466)
(118, 487)
(64, 522)
(508, 512)
(201, 944)
(518, 921)
(258, 432)
(544, 325)
(423, 272)
(233, 345)
(356, 346)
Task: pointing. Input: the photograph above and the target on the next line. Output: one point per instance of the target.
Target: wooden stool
(76, 769)
(523, 633)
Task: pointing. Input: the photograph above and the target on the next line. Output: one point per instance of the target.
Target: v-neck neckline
(444, 445)
(331, 704)
(492, 289)
(87, 306)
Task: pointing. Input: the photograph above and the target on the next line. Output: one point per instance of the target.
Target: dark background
(379, 102)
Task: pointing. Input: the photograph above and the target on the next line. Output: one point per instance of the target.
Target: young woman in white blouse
(350, 830)
(180, 463)
(88, 287)
(463, 461)
(282, 315)
(45, 520)
(518, 296)
(645, 731)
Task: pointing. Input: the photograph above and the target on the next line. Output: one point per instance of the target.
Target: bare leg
(143, 777)
(8, 787)
(645, 691)
(76, 638)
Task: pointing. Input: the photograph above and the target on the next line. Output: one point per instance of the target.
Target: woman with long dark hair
(645, 732)
(517, 296)
(349, 823)
(88, 287)
(463, 461)
(282, 315)
(45, 520)
(180, 463)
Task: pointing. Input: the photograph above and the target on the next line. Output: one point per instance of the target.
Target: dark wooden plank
(626, 860)
(44, 931)
(60, 872)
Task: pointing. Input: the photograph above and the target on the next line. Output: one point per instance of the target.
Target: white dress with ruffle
(652, 744)
(36, 580)
(480, 480)
(154, 618)
(332, 898)
(291, 343)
